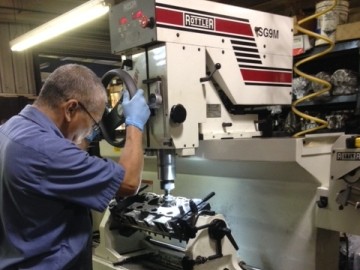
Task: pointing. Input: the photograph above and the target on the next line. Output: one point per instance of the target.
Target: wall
(16, 68)
(10, 106)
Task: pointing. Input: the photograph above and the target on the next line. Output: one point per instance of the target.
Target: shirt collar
(31, 113)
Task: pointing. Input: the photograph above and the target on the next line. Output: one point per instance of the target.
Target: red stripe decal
(266, 76)
(174, 17)
(238, 28)
(169, 16)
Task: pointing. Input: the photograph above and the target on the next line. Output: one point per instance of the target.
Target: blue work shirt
(47, 187)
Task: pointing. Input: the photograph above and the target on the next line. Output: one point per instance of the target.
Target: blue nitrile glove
(136, 110)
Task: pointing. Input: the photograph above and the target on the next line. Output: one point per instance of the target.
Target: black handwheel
(114, 117)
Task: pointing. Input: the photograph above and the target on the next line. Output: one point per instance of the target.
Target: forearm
(132, 160)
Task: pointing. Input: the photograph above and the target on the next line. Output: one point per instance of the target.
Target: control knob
(178, 113)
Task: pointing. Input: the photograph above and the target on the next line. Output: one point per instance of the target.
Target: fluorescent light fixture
(76, 17)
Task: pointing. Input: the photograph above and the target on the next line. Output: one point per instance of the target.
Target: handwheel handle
(112, 118)
(124, 76)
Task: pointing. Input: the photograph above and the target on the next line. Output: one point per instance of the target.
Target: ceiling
(40, 11)
(93, 39)
(36, 12)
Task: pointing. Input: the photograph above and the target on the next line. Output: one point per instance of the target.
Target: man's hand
(136, 110)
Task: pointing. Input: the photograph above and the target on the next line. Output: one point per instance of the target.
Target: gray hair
(73, 81)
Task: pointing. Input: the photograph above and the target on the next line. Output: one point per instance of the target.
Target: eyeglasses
(96, 125)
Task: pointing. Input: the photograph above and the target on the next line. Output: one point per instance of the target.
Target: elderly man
(48, 184)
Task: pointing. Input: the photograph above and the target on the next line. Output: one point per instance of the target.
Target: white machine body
(174, 44)
(342, 192)
(201, 65)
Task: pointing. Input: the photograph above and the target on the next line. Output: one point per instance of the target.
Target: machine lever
(231, 238)
(218, 229)
(208, 197)
(194, 207)
(194, 212)
(141, 189)
(209, 77)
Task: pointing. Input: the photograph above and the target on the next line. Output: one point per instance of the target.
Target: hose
(326, 85)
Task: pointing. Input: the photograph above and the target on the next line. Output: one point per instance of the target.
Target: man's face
(83, 122)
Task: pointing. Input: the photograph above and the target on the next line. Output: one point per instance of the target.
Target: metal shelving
(345, 55)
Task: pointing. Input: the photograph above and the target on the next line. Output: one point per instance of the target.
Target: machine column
(166, 172)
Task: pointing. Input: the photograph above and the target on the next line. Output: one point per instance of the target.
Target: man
(48, 184)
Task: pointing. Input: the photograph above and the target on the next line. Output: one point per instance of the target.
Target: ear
(70, 108)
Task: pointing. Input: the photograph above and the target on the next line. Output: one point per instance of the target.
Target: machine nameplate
(267, 32)
(199, 21)
(348, 156)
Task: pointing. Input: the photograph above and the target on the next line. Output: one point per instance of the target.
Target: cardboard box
(301, 44)
(348, 31)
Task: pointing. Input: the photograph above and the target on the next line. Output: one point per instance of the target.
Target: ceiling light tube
(76, 17)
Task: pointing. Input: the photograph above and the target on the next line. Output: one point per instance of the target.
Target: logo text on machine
(355, 156)
(199, 21)
(266, 32)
